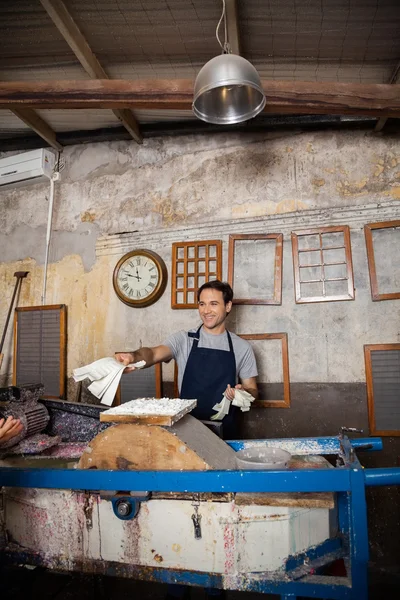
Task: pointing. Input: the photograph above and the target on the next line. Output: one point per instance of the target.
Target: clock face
(140, 278)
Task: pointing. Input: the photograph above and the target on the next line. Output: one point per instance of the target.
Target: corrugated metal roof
(296, 40)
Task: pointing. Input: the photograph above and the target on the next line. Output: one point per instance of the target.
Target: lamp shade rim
(225, 83)
(229, 120)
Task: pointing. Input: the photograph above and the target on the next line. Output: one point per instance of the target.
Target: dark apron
(207, 374)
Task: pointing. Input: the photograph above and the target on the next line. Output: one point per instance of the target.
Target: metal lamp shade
(228, 90)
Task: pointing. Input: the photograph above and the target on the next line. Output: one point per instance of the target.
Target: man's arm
(250, 385)
(151, 356)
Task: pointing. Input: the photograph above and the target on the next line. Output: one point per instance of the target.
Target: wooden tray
(165, 420)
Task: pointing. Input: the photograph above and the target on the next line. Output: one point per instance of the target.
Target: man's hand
(9, 428)
(125, 358)
(230, 391)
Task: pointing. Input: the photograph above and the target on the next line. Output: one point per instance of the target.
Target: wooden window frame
(368, 229)
(285, 403)
(349, 264)
(368, 349)
(196, 275)
(63, 344)
(278, 237)
(158, 376)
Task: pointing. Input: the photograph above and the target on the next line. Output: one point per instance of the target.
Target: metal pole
(388, 476)
(19, 275)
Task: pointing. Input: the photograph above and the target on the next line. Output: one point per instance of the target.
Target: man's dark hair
(221, 286)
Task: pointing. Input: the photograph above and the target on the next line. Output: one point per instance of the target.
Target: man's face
(213, 311)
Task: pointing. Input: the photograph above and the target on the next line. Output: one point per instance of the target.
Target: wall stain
(87, 216)
(318, 182)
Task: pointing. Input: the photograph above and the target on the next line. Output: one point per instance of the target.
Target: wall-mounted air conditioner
(26, 168)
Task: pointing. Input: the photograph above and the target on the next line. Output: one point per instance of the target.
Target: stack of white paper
(105, 374)
(242, 399)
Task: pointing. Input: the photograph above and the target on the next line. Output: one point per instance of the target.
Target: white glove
(242, 399)
(105, 374)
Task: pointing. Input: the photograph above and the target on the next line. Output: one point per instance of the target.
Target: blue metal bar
(389, 476)
(321, 480)
(358, 537)
(314, 445)
(310, 586)
(343, 505)
(328, 547)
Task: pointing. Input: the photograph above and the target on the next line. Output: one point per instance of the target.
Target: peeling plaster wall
(205, 187)
(184, 184)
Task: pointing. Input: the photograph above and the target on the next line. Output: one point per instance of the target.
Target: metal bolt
(124, 508)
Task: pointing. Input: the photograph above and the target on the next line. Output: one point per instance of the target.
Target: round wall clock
(140, 278)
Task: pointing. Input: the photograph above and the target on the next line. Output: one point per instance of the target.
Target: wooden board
(303, 499)
(306, 499)
(162, 420)
(187, 445)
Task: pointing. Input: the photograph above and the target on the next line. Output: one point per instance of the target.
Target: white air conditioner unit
(26, 168)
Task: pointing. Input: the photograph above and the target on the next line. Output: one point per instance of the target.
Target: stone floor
(20, 583)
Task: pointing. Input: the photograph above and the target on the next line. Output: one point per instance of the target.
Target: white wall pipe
(54, 177)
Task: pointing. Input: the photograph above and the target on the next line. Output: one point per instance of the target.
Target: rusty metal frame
(320, 231)
(278, 237)
(376, 296)
(285, 402)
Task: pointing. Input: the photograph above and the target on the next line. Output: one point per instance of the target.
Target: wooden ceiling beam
(283, 97)
(35, 122)
(394, 78)
(66, 25)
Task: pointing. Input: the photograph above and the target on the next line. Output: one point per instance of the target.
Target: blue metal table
(302, 575)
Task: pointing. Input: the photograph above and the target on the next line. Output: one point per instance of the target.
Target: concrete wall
(119, 196)
(204, 187)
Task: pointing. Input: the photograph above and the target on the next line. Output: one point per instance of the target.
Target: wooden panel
(139, 447)
(176, 386)
(320, 266)
(284, 97)
(285, 401)
(187, 445)
(276, 297)
(193, 263)
(305, 500)
(40, 348)
(368, 229)
(382, 369)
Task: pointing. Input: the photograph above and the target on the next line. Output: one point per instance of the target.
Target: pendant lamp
(228, 88)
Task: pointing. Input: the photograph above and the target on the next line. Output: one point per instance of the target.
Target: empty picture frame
(271, 402)
(193, 263)
(383, 251)
(40, 348)
(382, 369)
(322, 264)
(141, 383)
(258, 279)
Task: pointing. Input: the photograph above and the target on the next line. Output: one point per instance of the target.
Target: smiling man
(211, 360)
